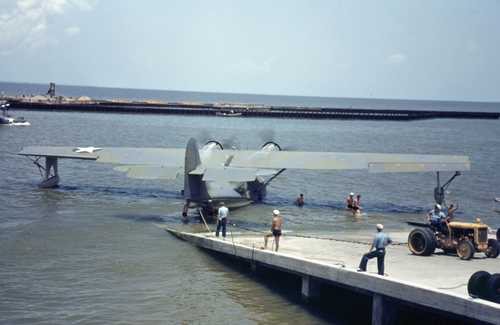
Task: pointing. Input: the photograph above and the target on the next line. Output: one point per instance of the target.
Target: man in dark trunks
(276, 226)
(350, 201)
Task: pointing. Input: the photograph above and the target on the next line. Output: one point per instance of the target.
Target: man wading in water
(276, 225)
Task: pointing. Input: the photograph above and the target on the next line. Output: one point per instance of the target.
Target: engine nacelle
(270, 146)
(212, 145)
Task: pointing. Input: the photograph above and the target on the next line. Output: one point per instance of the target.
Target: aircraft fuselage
(208, 194)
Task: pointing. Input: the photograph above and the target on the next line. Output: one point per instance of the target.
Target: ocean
(89, 252)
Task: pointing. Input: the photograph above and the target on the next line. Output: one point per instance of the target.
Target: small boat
(19, 121)
(230, 113)
(6, 119)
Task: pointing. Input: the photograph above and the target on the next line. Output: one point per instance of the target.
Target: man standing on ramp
(222, 220)
(380, 242)
(276, 226)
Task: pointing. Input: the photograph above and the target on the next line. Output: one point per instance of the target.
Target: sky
(421, 49)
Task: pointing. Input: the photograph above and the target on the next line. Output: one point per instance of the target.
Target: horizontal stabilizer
(230, 174)
(200, 170)
(150, 172)
(143, 156)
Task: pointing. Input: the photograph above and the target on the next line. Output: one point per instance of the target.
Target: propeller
(204, 136)
(227, 143)
(268, 135)
(231, 143)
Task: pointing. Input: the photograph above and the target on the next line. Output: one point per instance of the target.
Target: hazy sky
(385, 49)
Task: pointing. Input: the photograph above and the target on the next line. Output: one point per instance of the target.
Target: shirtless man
(350, 201)
(356, 209)
(300, 200)
(451, 211)
(276, 225)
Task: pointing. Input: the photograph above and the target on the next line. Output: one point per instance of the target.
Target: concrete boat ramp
(435, 284)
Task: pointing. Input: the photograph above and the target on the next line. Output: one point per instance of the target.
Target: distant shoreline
(390, 99)
(87, 104)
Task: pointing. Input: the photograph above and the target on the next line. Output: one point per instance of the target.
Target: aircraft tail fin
(192, 183)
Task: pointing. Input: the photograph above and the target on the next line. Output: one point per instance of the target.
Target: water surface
(89, 252)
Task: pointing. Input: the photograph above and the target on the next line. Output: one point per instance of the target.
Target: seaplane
(213, 174)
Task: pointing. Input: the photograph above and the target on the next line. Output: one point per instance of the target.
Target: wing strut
(49, 172)
(439, 191)
(274, 176)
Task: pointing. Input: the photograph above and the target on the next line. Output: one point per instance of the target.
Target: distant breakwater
(237, 110)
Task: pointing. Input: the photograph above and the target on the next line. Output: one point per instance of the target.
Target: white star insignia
(86, 149)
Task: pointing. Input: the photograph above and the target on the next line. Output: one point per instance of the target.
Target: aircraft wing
(167, 163)
(57, 152)
(145, 163)
(172, 157)
(373, 162)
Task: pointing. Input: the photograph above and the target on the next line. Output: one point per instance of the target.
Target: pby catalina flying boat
(238, 177)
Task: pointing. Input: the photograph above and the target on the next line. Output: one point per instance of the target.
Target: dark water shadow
(334, 305)
(122, 191)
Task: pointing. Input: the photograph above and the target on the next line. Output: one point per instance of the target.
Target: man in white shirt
(222, 215)
(436, 217)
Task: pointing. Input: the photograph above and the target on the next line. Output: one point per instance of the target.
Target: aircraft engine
(270, 146)
(212, 145)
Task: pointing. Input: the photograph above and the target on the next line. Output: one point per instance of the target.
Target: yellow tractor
(464, 238)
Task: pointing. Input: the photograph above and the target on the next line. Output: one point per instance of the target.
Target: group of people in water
(353, 203)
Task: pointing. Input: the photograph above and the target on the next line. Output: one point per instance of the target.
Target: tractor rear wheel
(494, 288)
(493, 249)
(421, 241)
(478, 285)
(465, 250)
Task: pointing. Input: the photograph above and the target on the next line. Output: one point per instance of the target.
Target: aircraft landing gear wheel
(465, 250)
(478, 284)
(493, 249)
(421, 242)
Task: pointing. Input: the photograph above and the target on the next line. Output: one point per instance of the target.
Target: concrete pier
(436, 284)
